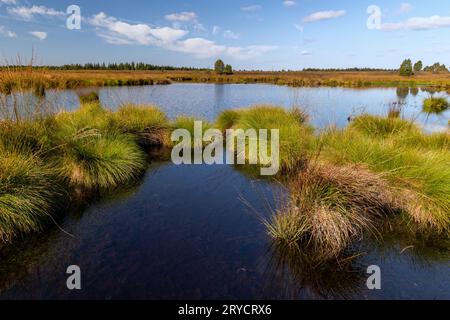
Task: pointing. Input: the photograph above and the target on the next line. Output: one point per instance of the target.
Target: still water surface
(325, 105)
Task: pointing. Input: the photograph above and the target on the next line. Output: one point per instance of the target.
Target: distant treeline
(348, 70)
(133, 66)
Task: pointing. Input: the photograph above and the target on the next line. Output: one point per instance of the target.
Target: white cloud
(324, 15)
(305, 53)
(8, 1)
(27, 13)
(199, 47)
(228, 34)
(39, 34)
(204, 48)
(216, 30)
(289, 3)
(118, 32)
(249, 52)
(182, 17)
(418, 23)
(251, 8)
(7, 33)
(405, 7)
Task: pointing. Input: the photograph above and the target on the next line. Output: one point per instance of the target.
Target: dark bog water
(187, 233)
(194, 232)
(325, 105)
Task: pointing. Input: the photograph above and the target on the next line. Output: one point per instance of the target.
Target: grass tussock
(28, 195)
(86, 149)
(27, 137)
(400, 132)
(294, 133)
(91, 115)
(331, 206)
(420, 174)
(378, 126)
(88, 98)
(91, 153)
(435, 105)
(91, 160)
(148, 123)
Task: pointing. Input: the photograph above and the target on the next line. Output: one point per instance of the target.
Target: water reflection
(402, 93)
(302, 269)
(205, 101)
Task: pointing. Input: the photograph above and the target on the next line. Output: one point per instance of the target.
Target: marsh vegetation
(341, 184)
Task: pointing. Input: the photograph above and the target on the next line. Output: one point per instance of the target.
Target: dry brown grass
(331, 206)
(74, 79)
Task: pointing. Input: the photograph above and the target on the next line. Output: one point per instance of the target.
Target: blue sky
(267, 35)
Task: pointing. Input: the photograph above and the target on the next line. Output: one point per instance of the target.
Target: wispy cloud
(405, 7)
(228, 34)
(251, 8)
(418, 23)
(7, 33)
(305, 53)
(39, 34)
(324, 15)
(117, 32)
(182, 17)
(289, 3)
(7, 1)
(28, 13)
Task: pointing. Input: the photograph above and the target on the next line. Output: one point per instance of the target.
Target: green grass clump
(421, 175)
(400, 132)
(26, 137)
(91, 160)
(91, 97)
(382, 126)
(91, 153)
(227, 119)
(90, 115)
(435, 105)
(148, 123)
(28, 195)
(132, 118)
(295, 135)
